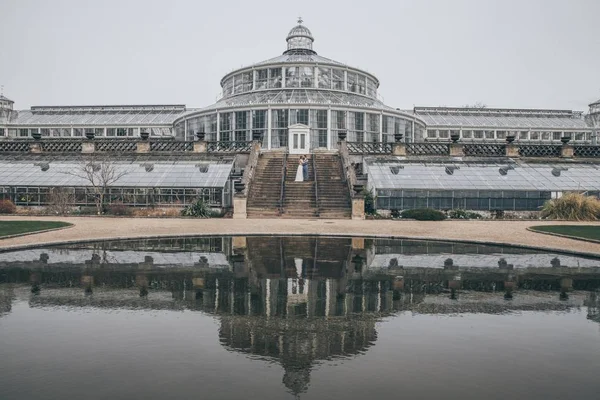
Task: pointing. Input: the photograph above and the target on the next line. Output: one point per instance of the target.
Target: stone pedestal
(456, 150)
(88, 147)
(512, 150)
(239, 207)
(358, 208)
(358, 243)
(238, 243)
(398, 149)
(143, 147)
(201, 147)
(35, 147)
(566, 151)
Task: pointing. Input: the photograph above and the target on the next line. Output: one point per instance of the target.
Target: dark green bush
(463, 214)
(197, 209)
(119, 208)
(369, 202)
(424, 214)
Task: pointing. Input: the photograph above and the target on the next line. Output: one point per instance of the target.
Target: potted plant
(200, 135)
(144, 134)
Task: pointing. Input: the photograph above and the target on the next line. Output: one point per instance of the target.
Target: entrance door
(299, 140)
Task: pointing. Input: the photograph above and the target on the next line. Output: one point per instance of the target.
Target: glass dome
(299, 40)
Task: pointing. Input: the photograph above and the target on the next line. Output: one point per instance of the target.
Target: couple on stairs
(302, 171)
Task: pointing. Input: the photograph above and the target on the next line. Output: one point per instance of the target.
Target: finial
(1, 90)
(300, 21)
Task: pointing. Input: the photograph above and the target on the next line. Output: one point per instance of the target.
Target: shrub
(395, 214)
(197, 209)
(424, 214)
(572, 207)
(119, 208)
(61, 201)
(7, 207)
(463, 214)
(369, 202)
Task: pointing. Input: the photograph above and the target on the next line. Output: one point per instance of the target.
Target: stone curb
(337, 235)
(36, 232)
(530, 229)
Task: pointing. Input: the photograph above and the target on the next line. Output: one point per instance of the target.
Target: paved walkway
(502, 232)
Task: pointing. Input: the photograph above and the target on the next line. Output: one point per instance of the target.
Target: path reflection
(299, 301)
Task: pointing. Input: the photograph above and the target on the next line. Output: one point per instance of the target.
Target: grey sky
(504, 53)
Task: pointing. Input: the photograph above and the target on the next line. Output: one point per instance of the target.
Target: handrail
(316, 183)
(248, 176)
(348, 172)
(283, 174)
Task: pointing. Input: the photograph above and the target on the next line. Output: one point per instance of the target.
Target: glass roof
(503, 121)
(99, 116)
(524, 177)
(299, 96)
(173, 174)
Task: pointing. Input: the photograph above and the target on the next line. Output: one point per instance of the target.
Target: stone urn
(510, 139)
(455, 137)
(398, 137)
(36, 135)
(565, 139)
(239, 187)
(89, 135)
(200, 136)
(144, 135)
(358, 188)
(342, 135)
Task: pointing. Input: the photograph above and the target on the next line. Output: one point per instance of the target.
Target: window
(280, 123)
(371, 88)
(352, 82)
(2, 132)
(362, 84)
(338, 124)
(556, 135)
(324, 78)
(523, 135)
(535, 136)
(299, 117)
(78, 132)
(431, 133)
(241, 126)
(292, 77)
(467, 134)
(228, 87)
(306, 77)
(357, 127)
(44, 131)
(274, 78)
(318, 128)
(259, 123)
(489, 134)
(262, 77)
(444, 134)
(477, 134)
(337, 79)
(500, 134)
(373, 128)
(578, 136)
(545, 135)
(225, 127)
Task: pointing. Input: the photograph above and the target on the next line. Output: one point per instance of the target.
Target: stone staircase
(300, 199)
(334, 197)
(265, 189)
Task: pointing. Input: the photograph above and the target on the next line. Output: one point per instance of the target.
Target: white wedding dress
(299, 175)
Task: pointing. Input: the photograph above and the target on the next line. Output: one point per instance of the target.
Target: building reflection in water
(300, 301)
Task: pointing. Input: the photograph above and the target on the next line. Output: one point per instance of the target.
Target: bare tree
(61, 200)
(100, 173)
(477, 106)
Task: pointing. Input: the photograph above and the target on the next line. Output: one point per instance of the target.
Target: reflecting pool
(285, 317)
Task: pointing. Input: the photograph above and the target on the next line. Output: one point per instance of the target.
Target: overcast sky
(504, 53)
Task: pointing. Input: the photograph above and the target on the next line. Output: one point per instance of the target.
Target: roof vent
(504, 170)
(148, 167)
(395, 169)
(450, 169)
(43, 166)
(557, 170)
(203, 168)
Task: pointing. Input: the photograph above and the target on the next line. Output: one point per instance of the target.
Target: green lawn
(575, 231)
(8, 228)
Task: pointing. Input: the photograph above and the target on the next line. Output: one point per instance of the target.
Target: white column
(249, 120)
(345, 80)
(253, 79)
(72, 132)
(104, 131)
(316, 76)
(381, 127)
(329, 128)
(282, 77)
(218, 126)
(185, 129)
(269, 128)
(412, 132)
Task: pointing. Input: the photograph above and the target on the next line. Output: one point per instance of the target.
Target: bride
(299, 174)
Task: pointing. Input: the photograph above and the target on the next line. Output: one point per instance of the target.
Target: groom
(305, 167)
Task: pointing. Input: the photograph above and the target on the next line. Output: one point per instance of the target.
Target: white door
(299, 142)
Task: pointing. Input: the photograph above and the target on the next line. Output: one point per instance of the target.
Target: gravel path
(501, 232)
